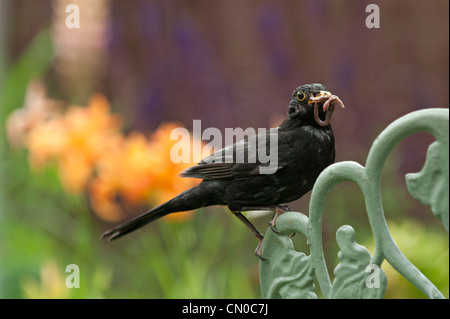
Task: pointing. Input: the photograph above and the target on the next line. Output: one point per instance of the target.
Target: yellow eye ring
(301, 96)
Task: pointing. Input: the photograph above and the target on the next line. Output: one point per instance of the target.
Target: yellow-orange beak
(321, 96)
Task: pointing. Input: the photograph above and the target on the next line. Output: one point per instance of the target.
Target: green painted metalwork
(290, 274)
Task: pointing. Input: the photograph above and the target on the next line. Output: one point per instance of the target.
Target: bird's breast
(311, 151)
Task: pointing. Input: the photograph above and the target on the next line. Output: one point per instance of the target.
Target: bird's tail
(136, 223)
(188, 200)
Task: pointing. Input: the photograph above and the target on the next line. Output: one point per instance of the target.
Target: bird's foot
(281, 209)
(258, 250)
(258, 235)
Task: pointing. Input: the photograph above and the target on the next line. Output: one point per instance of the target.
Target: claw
(258, 250)
(278, 211)
(272, 225)
(258, 235)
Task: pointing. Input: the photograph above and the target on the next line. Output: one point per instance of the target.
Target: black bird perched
(305, 147)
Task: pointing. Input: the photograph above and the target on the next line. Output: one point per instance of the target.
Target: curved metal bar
(328, 179)
(368, 178)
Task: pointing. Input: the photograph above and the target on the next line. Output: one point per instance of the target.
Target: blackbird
(305, 145)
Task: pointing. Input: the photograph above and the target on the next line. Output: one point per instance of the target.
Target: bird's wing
(238, 161)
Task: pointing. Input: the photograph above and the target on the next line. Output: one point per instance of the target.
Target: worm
(328, 107)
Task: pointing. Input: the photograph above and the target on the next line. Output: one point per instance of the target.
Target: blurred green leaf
(21, 247)
(33, 63)
(425, 246)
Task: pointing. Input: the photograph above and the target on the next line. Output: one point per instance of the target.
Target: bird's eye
(301, 96)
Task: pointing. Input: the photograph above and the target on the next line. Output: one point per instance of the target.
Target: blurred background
(86, 114)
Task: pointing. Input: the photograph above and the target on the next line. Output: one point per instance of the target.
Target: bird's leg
(280, 209)
(255, 232)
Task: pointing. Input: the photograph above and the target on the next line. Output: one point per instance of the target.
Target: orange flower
(139, 173)
(37, 108)
(120, 173)
(76, 140)
(91, 130)
(126, 173)
(104, 201)
(168, 183)
(46, 140)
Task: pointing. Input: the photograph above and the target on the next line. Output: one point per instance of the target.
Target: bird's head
(313, 102)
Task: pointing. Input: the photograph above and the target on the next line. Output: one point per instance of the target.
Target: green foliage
(33, 63)
(43, 229)
(425, 246)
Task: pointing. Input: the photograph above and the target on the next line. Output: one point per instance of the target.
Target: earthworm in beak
(328, 106)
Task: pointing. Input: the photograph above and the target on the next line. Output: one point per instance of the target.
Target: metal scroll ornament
(291, 274)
